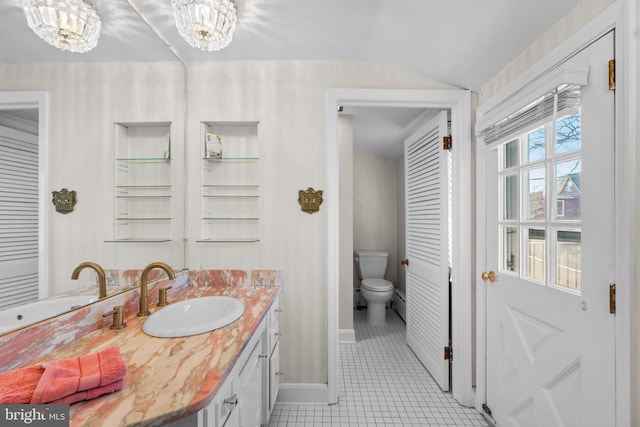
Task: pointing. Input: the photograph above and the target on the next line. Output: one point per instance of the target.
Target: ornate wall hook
(64, 200)
(310, 200)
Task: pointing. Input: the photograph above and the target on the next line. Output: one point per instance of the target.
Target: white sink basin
(193, 317)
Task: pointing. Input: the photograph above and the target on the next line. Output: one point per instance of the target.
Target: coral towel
(67, 380)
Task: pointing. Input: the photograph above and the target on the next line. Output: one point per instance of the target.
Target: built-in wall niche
(143, 182)
(229, 182)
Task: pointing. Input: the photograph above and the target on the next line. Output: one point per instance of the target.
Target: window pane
(568, 134)
(536, 200)
(510, 257)
(535, 145)
(536, 254)
(569, 259)
(511, 154)
(568, 190)
(510, 197)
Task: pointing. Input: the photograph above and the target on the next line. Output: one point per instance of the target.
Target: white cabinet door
(250, 390)
(274, 376)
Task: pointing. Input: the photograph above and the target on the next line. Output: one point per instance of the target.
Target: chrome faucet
(144, 298)
(102, 281)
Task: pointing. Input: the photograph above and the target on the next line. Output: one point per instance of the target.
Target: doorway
(459, 102)
(372, 194)
(25, 114)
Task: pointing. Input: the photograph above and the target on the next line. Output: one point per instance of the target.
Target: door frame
(620, 16)
(459, 102)
(16, 100)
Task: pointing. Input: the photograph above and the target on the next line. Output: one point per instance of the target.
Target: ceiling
(463, 43)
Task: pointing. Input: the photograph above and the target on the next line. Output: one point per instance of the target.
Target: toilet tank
(371, 264)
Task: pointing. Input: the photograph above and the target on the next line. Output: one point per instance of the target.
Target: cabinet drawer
(274, 325)
(274, 313)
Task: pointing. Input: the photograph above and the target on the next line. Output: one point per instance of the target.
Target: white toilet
(371, 266)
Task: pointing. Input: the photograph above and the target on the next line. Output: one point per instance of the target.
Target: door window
(540, 197)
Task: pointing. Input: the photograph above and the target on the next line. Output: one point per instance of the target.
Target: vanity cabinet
(247, 396)
(229, 182)
(272, 371)
(143, 186)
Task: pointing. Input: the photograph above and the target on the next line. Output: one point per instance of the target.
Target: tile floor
(391, 389)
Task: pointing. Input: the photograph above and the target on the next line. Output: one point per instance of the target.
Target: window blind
(563, 101)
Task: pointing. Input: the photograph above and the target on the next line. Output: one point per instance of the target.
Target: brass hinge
(448, 353)
(447, 142)
(612, 74)
(612, 298)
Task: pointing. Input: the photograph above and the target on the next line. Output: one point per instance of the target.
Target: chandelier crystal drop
(205, 24)
(72, 25)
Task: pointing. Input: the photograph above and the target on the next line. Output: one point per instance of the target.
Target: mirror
(76, 139)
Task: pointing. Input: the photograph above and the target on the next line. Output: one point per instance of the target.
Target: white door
(427, 246)
(19, 204)
(550, 335)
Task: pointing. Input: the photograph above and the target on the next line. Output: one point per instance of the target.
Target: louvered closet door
(18, 217)
(426, 181)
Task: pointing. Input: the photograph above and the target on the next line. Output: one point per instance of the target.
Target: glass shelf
(145, 160)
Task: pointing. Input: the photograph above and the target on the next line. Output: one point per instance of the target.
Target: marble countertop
(167, 378)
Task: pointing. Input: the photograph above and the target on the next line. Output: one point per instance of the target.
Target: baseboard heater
(400, 304)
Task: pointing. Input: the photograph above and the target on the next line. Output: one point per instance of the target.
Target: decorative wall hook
(310, 200)
(64, 200)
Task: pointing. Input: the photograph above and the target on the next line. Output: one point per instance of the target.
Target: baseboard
(347, 336)
(302, 394)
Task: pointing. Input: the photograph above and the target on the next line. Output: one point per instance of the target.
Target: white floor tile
(382, 383)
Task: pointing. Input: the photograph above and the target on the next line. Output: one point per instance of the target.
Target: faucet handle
(118, 318)
(162, 299)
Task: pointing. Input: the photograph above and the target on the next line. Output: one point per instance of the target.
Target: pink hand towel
(65, 381)
(18, 386)
(68, 377)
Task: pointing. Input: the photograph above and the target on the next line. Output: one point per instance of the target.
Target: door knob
(404, 262)
(490, 276)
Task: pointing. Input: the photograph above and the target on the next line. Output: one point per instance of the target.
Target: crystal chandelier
(72, 25)
(205, 24)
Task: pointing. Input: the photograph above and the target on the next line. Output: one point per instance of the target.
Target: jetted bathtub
(34, 312)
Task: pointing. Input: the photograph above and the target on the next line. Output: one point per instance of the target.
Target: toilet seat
(377, 285)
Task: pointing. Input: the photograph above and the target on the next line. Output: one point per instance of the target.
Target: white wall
(582, 13)
(287, 98)
(375, 214)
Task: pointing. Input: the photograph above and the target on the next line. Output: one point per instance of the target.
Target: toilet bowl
(371, 266)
